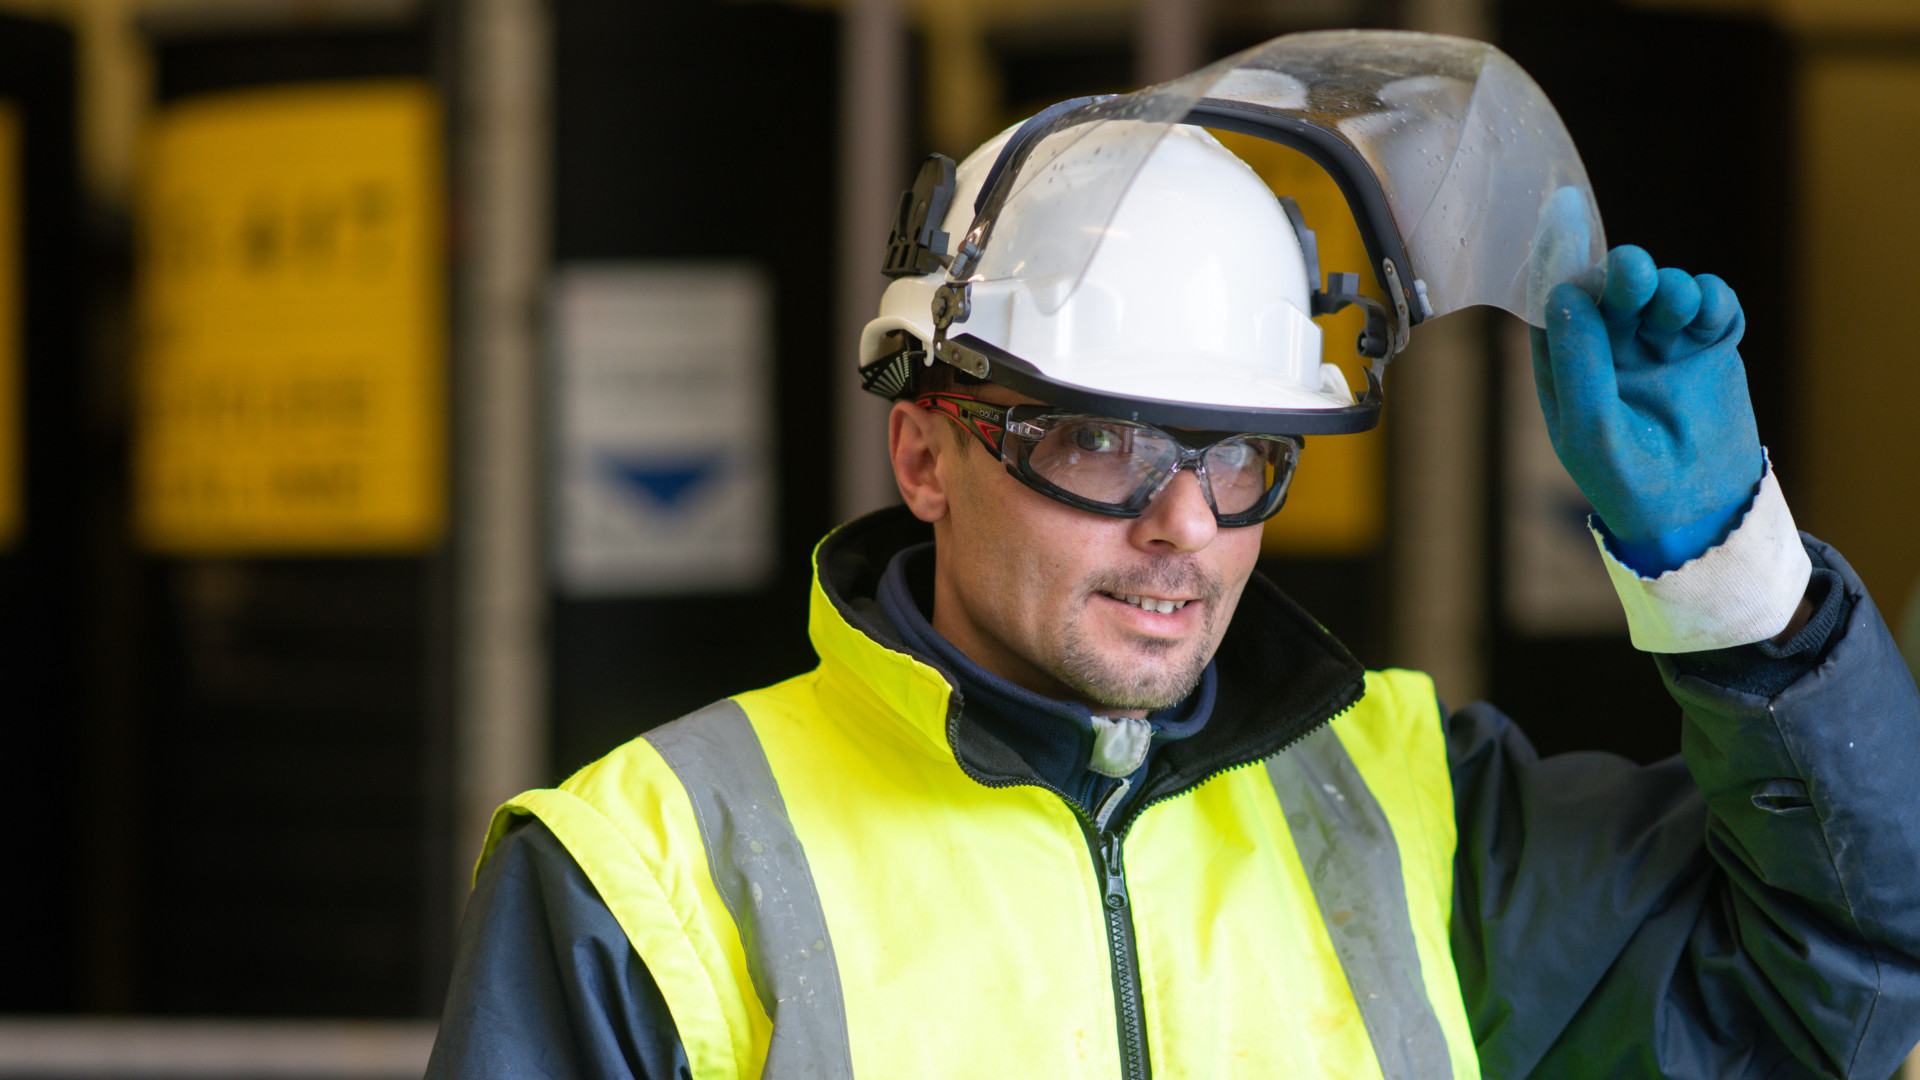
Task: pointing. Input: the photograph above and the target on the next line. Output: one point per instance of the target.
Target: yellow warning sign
(13, 436)
(1337, 504)
(291, 371)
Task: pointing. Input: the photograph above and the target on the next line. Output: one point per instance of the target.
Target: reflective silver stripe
(762, 874)
(1353, 864)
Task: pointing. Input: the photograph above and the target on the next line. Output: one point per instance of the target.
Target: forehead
(995, 394)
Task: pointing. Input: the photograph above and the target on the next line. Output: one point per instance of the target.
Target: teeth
(1164, 607)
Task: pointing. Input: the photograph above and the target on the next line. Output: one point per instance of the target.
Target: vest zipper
(1128, 1009)
(1128, 1001)
(1135, 813)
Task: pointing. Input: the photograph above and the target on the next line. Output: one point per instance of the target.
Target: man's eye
(1234, 454)
(1095, 440)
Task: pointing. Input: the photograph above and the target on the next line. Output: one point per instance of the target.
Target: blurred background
(404, 402)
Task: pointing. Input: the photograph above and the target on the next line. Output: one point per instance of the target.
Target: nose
(1178, 518)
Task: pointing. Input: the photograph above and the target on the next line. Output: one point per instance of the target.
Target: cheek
(1236, 551)
(1014, 551)
(987, 549)
(1231, 558)
(972, 509)
(1241, 550)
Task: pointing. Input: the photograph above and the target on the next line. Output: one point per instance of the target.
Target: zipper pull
(1116, 883)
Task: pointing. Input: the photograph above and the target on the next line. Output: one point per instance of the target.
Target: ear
(917, 445)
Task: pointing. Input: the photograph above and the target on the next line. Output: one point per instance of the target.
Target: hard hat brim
(1005, 369)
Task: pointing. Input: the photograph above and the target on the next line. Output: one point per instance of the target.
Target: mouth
(1155, 604)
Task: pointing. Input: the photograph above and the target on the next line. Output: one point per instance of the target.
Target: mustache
(1184, 577)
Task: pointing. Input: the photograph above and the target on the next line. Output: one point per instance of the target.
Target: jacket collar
(1281, 675)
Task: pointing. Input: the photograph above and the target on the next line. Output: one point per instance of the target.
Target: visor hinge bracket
(968, 256)
(952, 303)
(967, 360)
(1399, 297)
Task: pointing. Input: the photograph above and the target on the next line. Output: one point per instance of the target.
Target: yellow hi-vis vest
(820, 890)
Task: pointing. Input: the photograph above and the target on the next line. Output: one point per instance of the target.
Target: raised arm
(1754, 910)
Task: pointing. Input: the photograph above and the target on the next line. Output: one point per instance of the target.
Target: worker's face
(1031, 589)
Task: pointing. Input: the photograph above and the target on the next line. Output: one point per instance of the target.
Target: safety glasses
(1116, 467)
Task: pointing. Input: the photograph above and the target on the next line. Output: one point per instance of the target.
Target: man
(1075, 793)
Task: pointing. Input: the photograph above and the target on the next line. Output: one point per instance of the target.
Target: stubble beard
(1130, 682)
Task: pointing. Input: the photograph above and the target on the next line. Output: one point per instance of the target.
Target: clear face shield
(1463, 179)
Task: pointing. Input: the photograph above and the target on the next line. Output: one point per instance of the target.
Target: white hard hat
(1110, 256)
(1198, 291)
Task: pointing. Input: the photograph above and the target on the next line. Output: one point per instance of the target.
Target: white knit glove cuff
(1746, 589)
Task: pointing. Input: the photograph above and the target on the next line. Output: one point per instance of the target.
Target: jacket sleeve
(1747, 910)
(545, 982)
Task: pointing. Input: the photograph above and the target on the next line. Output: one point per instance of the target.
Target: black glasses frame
(1010, 432)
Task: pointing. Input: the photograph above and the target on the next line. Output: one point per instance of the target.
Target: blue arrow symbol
(664, 481)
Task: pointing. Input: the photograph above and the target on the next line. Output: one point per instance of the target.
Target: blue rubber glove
(1646, 404)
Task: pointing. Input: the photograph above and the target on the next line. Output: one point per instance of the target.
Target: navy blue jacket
(1749, 911)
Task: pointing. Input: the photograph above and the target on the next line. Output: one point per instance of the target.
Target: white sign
(1555, 581)
(664, 467)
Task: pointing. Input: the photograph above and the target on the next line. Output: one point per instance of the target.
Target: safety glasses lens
(1103, 462)
(1120, 465)
(1241, 471)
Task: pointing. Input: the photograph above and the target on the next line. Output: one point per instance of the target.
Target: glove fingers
(1562, 245)
(1543, 380)
(1585, 390)
(1631, 282)
(1718, 306)
(1674, 304)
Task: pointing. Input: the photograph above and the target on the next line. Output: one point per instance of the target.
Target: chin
(1133, 678)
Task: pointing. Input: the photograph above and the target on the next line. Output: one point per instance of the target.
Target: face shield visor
(1453, 162)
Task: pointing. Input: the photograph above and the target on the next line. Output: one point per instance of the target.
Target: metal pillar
(501, 182)
(873, 169)
(1438, 391)
(1169, 39)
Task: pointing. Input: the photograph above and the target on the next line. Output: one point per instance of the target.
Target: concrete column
(501, 183)
(115, 75)
(873, 170)
(962, 88)
(1857, 467)
(1436, 393)
(1461, 18)
(1170, 39)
